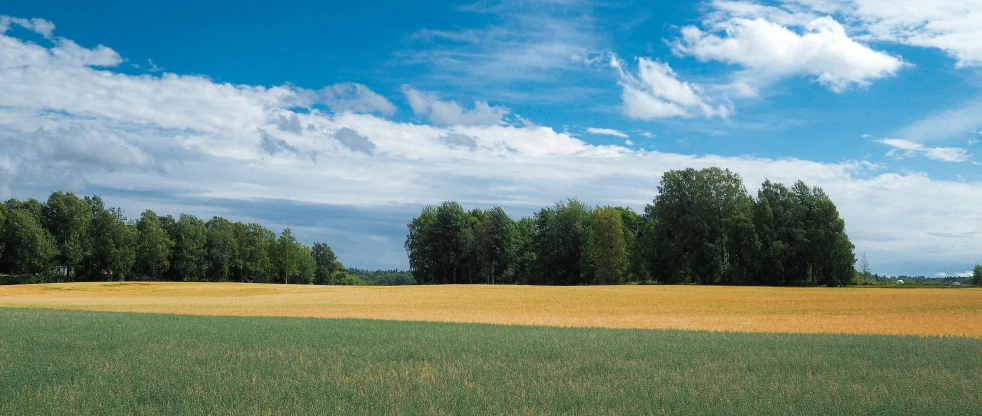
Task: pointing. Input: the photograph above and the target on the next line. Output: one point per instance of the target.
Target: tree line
(703, 227)
(78, 238)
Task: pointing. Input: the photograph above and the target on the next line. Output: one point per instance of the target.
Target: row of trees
(703, 227)
(73, 238)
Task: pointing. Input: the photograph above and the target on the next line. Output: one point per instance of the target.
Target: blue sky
(341, 120)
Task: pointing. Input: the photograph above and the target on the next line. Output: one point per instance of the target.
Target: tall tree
(421, 246)
(286, 257)
(256, 244)
(695, 211)
(222, 248)
(113, 242)
(153, 247)
(68, 218)
(559, 244)
(189, 262)
(495, 245)
(608, 248)
(525, 260)
(326, 264)
(28, 247)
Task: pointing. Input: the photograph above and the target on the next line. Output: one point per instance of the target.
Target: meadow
(82, 362)
(855, 310)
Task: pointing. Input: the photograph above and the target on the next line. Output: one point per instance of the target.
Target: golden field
(921, 311)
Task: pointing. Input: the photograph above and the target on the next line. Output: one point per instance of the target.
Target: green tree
(256, 243)
(113, 243)
(697, 211)
(68, 218)
(976, 275)
(28, 247)
(153, 247)
(286, 257)
(222, 248)
(421, 246)
(326, 264)
(3, 231)
(608, 248)
(495, 244)
(559, 244)
(525, 260)
(437, 244)
(189, 261)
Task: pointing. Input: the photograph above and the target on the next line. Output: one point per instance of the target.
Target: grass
(79, 362)
(899, 311)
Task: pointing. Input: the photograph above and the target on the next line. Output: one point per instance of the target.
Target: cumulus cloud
(98, 148)
(906, 148)
(953, 26)
(196, 139)
(656, 92)
(607, 132)
(355, 97)
(823, 49)
(451, 113)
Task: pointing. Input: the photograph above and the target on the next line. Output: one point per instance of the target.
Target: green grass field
(74, 362)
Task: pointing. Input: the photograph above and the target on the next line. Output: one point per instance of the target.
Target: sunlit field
(899, 311)
(80, 362)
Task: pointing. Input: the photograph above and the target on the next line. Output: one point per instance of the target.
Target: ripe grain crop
(922, 311)
(81, 363)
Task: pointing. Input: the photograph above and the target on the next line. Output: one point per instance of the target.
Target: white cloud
(98, 148)
(39, 26)
(647, 134)
(355, 97)
(656, 92)
(451, 113)
(607, 132)
(191, 139)
(954, 26)
(525, 41)
(906, 148)
(767, 49)
(628, 142)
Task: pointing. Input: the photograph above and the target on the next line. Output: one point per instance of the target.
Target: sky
(341, 120)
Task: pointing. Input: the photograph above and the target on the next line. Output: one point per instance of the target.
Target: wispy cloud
(656, 92)
(607, 132)
(449, 112)
(906, 148)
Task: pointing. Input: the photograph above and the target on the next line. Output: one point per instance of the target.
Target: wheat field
(907, 311)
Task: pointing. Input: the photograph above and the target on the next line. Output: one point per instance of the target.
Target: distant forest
(703, 227)
(69, 238)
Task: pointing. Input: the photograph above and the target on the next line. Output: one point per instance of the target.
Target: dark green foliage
(608, 247)
(113, 243)
(190, 237)
(69, 220)
(73, 362)
(326, 262)
(222, 248)
(72, 238)
(28, 247)
(383, 277)
(559, 244)
(699, 213)
(153, 247)
(293, 260)
(702, 228)
(976, 275)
